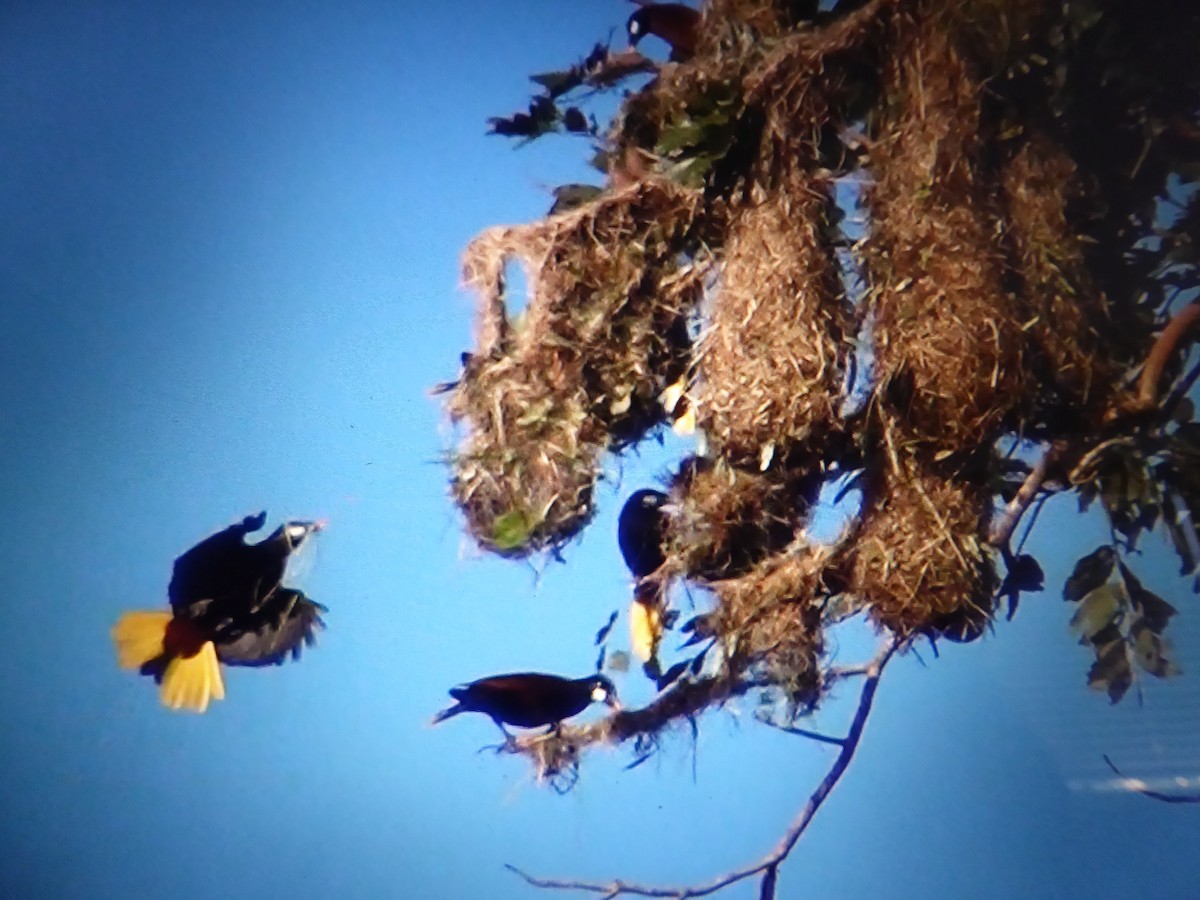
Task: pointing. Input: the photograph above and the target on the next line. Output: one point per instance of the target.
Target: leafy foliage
(1120, 620)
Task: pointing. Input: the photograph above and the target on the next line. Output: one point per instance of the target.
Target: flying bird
(529, 699)
(228, 605)
(674, 23)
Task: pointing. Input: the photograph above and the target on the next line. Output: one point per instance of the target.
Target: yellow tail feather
(191, 682)
(645, 629)
(139, 637)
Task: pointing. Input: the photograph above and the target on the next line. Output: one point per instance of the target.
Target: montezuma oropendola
(675, 23)
(529, 699)
(228, 605)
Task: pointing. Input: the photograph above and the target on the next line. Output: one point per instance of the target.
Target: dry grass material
(948, 327)
(768, 362)
(770, 618)
(919, 559)
(603, 333)
(726, 519)
(1064, 311)
(733, 25)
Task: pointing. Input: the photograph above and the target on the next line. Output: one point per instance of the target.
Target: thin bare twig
(1006, 524)
(1136, 784)
(804, 732)
(769, 864)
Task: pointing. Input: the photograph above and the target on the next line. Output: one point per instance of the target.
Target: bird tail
(188, 670)
(446, 713)
(645, 624)
(140, 637)
(190, 682)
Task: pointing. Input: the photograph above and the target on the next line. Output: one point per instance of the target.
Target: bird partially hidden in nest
(228, 605)
(641, 535)
(675, 23)
(529, 699)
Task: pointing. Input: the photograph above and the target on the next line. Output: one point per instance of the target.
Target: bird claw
(509, 746)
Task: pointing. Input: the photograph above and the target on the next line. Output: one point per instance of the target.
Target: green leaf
(1099, 609)
(1090, 572)
(678, 137)
(512, 530)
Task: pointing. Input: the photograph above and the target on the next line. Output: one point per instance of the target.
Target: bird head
(604, 691)
(297, 532)
(636, 27)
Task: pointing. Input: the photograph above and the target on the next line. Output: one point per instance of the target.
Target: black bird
(641, 532)
(529, 699)
(675, 23)
(228, 605)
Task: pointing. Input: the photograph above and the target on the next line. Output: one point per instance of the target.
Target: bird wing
(208, 569)
(281, 625)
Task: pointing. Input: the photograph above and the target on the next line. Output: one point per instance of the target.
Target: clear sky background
(229, 240)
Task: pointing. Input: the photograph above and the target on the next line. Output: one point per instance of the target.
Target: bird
(227, 605)
(641, 535)
(674, 23)
(530, 699)
(641, 532)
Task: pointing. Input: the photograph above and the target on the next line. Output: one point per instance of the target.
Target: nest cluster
(982, 313)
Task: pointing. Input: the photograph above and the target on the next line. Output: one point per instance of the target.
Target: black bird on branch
(529, 699)
(228, 605)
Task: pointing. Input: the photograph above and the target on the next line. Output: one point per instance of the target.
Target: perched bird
(641, 532)
(529, 699)
(228, 605)
(675, 23)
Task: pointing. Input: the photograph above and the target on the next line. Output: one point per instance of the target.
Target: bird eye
(599, 693)
(634, 26)
(295, 532)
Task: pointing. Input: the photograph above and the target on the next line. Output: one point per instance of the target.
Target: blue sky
(229, 240)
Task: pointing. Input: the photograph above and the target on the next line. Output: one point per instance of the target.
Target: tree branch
(1004, 526)
(1136, 784)
(1163, 347)
(769, 864)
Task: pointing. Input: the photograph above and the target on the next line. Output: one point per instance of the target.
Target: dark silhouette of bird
(641, 535)
(529, 699)
(674, 23)
(641, 532)
(228, 605)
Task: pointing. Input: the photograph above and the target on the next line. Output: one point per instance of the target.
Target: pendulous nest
(580, 370)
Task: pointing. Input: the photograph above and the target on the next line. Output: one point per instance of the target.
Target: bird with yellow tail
(641, 535)
(228, 605)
